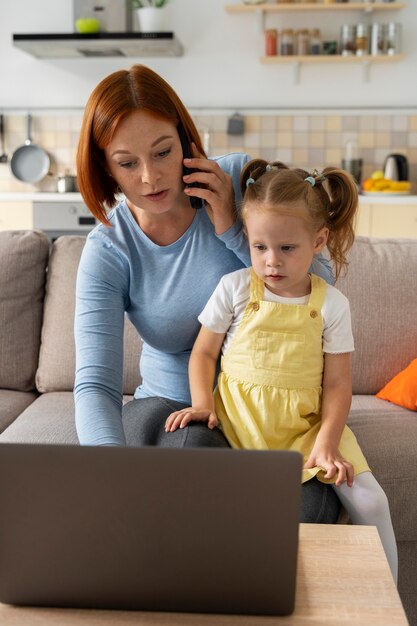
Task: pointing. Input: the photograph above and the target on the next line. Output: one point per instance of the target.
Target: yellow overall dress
(269, 389)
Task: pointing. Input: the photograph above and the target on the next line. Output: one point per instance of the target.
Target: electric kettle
(396, 167)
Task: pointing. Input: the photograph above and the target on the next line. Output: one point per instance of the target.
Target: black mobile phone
(196, 203)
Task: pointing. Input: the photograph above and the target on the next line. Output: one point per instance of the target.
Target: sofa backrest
(23, 261)
(381, 285)
(57, 352)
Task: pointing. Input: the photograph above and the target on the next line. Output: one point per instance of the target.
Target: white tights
(367, 504)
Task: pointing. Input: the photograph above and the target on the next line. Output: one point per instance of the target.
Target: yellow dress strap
(257, 287)
(318, 292)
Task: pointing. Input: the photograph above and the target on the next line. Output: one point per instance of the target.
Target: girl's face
(145, 159)
(282, 249)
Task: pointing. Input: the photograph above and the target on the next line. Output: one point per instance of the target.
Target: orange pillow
(402, 389)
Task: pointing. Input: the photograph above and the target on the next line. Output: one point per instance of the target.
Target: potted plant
(150, 15)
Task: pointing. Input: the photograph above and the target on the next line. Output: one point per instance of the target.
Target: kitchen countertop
(387, 199)
(41, 196)
(77, 197)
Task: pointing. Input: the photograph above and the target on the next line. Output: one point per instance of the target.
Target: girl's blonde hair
(331, 199)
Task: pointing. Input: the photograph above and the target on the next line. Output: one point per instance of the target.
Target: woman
(153, 257)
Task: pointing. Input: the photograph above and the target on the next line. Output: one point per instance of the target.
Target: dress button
(313, 313)
(255, 306)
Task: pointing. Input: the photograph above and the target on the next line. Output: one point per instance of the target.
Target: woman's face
(145, 158)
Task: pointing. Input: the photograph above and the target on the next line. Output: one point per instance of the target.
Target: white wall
(220, 66)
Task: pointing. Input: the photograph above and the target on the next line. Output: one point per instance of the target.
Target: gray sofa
(37, 361)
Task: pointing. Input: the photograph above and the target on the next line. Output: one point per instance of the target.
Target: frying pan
(29, 163)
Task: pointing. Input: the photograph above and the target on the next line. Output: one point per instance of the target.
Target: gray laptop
(208, 530)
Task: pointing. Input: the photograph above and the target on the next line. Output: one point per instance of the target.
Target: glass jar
(303, 41)
(271, 36)
(315, 41)
(362, 39)
(286, 43)
(378, 39)
(348, 40)
(393, 38)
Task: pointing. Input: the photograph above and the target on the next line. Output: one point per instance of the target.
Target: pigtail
(253, 170)
(342, 211)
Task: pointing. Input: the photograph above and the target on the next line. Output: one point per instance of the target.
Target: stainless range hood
(74, 45)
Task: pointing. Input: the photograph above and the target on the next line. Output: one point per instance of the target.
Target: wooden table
(343, 580)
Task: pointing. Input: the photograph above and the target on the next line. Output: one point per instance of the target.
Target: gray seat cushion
(387, 435)
(12, 403)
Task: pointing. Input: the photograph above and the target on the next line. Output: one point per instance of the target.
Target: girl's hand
(180, 419)
(332, 463)
(216, 190)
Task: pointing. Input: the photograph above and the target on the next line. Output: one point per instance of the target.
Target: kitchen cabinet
(389, 217)
(367, 8)
(16, 215)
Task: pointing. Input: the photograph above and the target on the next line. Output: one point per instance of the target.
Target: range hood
(122, 44)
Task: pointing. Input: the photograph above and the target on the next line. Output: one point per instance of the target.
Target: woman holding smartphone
(155, 257)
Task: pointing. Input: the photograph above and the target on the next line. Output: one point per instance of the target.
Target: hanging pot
(30, 163)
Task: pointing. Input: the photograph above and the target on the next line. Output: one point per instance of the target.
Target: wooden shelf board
(336, 58)
(307, 6)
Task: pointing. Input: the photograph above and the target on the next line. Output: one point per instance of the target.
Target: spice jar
(286, 45)
(271, 36)
(315, 41)
(378, 39)
(393, 38)
(303, 40)
(348, 40)
(362, 39)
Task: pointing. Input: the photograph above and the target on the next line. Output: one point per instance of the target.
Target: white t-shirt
(226, 306)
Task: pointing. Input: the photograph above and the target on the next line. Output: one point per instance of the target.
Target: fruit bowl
(380, 185)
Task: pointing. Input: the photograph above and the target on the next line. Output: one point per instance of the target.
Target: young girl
(286, 339)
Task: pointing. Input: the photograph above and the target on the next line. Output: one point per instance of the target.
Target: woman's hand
(332, 463)
(216, 190)
(180, 419)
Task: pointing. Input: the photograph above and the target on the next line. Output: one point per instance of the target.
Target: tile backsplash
(310, 140)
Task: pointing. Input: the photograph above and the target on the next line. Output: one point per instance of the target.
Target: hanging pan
(30, 163)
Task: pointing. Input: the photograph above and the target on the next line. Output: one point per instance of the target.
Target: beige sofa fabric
(23, 259)
(381, 285)
(57, 354)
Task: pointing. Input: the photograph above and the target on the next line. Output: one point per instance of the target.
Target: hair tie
(315, 177)
(250, 181)
(269, 168)
(311, 180)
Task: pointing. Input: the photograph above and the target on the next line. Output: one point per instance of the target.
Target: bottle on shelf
(271, 38)
(315, 46)
(348, 40)
(286, 43)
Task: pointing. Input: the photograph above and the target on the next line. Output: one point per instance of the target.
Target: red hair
(114, 98)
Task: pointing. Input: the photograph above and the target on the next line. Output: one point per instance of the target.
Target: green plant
(140, 4)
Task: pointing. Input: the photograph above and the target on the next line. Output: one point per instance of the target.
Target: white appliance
(62, 218)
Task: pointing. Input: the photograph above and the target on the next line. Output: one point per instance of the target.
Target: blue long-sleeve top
(162, 289)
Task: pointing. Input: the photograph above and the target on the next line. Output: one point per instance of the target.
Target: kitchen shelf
(367, 7)
(334, 59)
(288, 7)
(75, 45)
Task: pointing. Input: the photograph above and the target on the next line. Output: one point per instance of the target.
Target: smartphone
(196, 203)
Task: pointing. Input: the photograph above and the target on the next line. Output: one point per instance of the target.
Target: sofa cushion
(381, 286)
(50, 419)
(12, 403)
(402, 389)
(57, 354)
(23, 260)
(387, 434)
